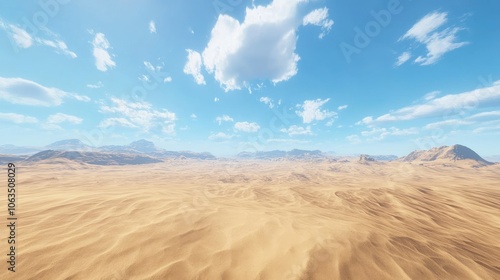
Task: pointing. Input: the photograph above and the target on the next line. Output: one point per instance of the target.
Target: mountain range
(143, 151)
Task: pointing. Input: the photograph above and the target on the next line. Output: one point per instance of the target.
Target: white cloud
(193, 66)
(354, 139)
(295, 130)
(103, 60)
(95, 86)
(319, 17)
(139, 114)
(60, 118)
(26, 92)
(116, 122)
(381, 133)
(431, 95)
(220, 136)
(143, 78)
(268, 101)
(152, 27)
(365, 120)
(216, 99)
(194, 117)
(247, 126)
(404, 57)
(24, 40)
(452, 104)
(261, 47)
(167, 79)
(17, 118)
(436, 42)
(59, 45)
(343, 107)
(453, 122)
(311, 111)
(149, 66)
(223, 118)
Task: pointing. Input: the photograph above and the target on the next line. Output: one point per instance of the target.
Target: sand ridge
(249, 219)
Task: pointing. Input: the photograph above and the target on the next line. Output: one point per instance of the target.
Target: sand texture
(189, 219)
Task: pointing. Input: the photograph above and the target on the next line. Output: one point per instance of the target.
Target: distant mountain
(385, 157)
(446, 154)
(69, 145)
(97, 158)
(366, 159)
(4, 159)
(18, 150)
(277, 154)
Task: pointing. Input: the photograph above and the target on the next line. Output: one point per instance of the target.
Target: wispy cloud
(24, 40)
(17, 118)
(426, 31)
(319, 17)
(220, 136)
(26, 92)
(268, 101)
(449, 105)
(343, 107)
(103, 60)
(60, 118)
(96, 85)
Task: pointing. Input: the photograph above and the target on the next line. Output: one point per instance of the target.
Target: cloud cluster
(438, 41)
(311, 111)
(17, 118)
(26, 92)
(223, 118)
(261, 47)
(138, 115)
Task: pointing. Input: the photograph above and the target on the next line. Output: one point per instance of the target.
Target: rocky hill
(446, 154)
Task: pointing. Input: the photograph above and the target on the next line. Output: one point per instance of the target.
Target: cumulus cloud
(103, 60)
(319, 17)
(60, 118)
(247, 126)
(437, 42)
(17, 118)
(223, 118)
(311, 111)
(26, 92)
(152, 27)
(193, 66)
(296, 130)
(138, 114)
(261, 47)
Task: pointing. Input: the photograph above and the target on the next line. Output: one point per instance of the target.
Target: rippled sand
(257, 220)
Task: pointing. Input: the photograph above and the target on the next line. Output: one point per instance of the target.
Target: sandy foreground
(221, 219)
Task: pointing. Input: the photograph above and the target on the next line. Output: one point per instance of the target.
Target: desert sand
(189, 219)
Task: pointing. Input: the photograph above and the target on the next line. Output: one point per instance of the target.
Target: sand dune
(257, 220)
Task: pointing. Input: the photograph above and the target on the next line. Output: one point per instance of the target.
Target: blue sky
(224, 76)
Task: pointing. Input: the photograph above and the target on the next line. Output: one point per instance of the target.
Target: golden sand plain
(187, 219)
